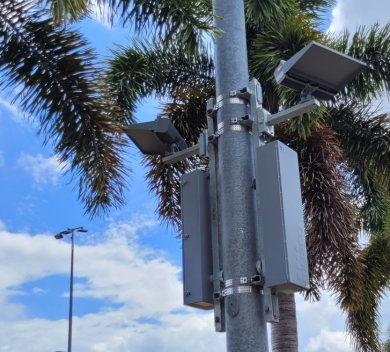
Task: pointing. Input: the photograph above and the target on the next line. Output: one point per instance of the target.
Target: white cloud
(44, 170)
(116, 268)
(330, 341)
(2, 161)
(38, 290)
(12, 108)
(100, 14)
(348, 14)
(16, 114)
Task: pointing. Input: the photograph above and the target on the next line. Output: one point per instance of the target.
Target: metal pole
(71, 299)
(245, 330)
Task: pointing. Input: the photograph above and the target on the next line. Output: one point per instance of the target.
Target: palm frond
(188, 22)
(146, 68)
(329, 212)
(362, 322)
(188, 115)
(386, 344)
(68, 10)
(280, 40)
(372, 46)
(55, 70)
(315, 8)
(373, 201)
(364, 136)
(261, 12)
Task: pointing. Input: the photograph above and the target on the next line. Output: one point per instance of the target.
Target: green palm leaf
(185, 21)
(372, 46)
(386, 345)
(72, 10)
(149, 68)
(364, 136)
(280, 40)
(260, 12)
(56, 72)
(362, 322)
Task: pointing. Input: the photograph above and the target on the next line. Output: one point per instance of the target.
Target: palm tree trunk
(284, 335)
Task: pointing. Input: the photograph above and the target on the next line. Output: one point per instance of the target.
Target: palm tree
(343, 148)
(386, 344)
(343, 152)
(56, 71)
(58, 74)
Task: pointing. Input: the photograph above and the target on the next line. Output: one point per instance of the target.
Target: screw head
(216, 319)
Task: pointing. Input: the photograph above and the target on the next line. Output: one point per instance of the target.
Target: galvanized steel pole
(246, 331)
(71, 298)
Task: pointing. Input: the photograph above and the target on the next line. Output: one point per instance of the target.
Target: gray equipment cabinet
(282, 218)
(197, 250)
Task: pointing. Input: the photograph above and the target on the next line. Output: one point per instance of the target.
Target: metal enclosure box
(197, 250)
(282, 218)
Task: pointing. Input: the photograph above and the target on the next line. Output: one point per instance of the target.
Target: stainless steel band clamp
(239, 285)
(241, 96)
(235, 124)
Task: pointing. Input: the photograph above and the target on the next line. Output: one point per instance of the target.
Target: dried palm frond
(329, 212)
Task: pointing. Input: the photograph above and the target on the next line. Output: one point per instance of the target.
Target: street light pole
(71, 297)
(59, 236)
(246, 328)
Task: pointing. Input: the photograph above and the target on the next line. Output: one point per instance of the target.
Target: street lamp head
(58, 237)
(82, 230)
(156, 137)
(323, 71)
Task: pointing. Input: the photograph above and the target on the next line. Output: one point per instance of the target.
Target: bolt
(267, 309)
(216, 319)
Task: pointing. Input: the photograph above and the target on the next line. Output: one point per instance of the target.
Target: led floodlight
(156, 137)
(58, 237)
(325, 72)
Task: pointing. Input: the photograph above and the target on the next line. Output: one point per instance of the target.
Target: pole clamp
(230, 101)
(245, 120)
(241, 96)
(244, 93)
(235, 124)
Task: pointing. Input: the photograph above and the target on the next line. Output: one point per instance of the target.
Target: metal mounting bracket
(258, 280)
(306, 93)
(266, 131)
(284, 115)
(210, 108)
(198, 149)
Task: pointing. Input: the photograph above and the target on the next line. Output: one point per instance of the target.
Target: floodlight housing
(58, 237)
(82, 230)
(157, 137)
(319, 67)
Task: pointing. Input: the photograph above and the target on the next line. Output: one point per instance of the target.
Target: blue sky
(128, 294)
